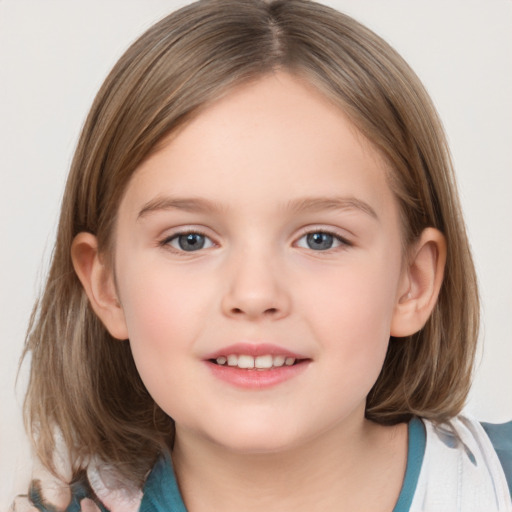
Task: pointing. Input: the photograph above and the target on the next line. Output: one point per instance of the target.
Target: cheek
(150, 313)
(159, 302)
(354, 301)
(162, 313)
(350, 313)
(161, 327)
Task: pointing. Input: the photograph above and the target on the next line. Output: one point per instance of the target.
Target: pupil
(191, 242)
(319, 241)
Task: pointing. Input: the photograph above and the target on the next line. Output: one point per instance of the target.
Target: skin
(255, 153)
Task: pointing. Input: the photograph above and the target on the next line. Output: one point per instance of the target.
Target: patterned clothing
(460, 465)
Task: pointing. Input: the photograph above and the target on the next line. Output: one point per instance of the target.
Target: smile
(262, 362)
(256, 365)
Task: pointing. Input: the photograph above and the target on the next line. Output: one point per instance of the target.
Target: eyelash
(166, 241)
(343, 242)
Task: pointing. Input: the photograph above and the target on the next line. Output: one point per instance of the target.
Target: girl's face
(263, 233)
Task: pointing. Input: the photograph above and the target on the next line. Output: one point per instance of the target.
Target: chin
(256, 437)
(253, 445)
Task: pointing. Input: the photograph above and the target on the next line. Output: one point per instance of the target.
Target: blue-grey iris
(319, 241)
(191, 241)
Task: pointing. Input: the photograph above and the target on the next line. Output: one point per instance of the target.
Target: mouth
(263, 362)
(256, 366)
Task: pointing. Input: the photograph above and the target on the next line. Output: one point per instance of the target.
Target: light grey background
(54, 56)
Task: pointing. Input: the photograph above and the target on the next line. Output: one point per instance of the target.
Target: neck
(359, 467)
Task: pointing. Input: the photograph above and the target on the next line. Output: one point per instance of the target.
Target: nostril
(269, 311)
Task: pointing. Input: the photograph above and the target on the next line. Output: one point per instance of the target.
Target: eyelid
(327, 230)
(183, 231)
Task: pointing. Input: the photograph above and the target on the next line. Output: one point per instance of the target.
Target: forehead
(272, 140)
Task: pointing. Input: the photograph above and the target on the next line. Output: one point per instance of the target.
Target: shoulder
(501, 439)
(492, 441)
(44, 497)
(98, 489)
(114, 492)
(461, 469)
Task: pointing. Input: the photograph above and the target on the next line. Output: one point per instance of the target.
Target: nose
(256, 289)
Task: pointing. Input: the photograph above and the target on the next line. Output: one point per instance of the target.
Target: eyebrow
(189, 204)
(315, 204)
(300, 205)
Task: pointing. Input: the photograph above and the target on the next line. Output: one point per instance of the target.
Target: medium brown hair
(83, 382)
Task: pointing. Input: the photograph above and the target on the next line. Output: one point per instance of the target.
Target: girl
(261, 295)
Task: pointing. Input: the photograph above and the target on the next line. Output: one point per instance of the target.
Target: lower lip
(256, 379)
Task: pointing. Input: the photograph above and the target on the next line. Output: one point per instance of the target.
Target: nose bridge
(256, 284)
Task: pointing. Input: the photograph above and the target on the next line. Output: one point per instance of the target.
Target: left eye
(319, 241)
(189, 242)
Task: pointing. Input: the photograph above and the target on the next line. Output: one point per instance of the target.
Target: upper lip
(254, 349)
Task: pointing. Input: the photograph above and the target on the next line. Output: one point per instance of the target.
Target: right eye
(188, 242)
(320, 240)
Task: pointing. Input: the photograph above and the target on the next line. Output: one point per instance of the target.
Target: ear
(99, 285)
(420, 283)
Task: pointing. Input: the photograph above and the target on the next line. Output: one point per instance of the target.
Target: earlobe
(421, 282)
(98, 282)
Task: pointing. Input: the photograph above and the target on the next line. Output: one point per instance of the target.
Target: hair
(83, 383)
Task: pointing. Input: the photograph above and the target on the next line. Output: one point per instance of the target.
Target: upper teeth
(259, 362)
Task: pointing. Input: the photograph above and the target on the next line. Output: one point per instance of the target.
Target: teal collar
(415, 453)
